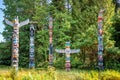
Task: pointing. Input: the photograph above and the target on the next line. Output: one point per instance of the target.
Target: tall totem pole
(50, 41)
(100, 39)
(31, 55)
(15, 39)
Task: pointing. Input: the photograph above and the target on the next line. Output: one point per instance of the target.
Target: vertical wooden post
(15, 40)
(50, 41)
(100, 39)
(32, 51)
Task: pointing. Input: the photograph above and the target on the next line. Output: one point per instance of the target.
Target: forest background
(74, 21)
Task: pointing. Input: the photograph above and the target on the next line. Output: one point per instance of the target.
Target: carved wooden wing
(75, 50)
(60, 50)
(9, 22)
(24, 22)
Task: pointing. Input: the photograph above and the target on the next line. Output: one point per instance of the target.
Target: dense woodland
(74, 21)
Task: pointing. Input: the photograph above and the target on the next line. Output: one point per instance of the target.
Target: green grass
(52, 74)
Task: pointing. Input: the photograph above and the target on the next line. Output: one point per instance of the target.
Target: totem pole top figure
(50, 22)
(67, 50)
(32, 30)
(100, 15)
(102, 10)
(16, 22)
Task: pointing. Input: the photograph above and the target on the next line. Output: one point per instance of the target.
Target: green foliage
(5, 53)
(13, 74)
(60, 62)
(77, 25)
(116, 31)
(75, 62)
(52, 74)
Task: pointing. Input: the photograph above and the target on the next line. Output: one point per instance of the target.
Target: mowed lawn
(55, 74)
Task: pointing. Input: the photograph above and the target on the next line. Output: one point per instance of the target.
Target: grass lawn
(52, 74)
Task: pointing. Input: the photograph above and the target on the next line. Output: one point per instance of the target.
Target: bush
(51, 74)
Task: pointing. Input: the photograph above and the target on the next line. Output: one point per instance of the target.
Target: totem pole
(100, 39)
(15, 40)
(50, 41)
(68, 51)
(32, 51)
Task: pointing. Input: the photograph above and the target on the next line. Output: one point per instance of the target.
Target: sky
(1, 21)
